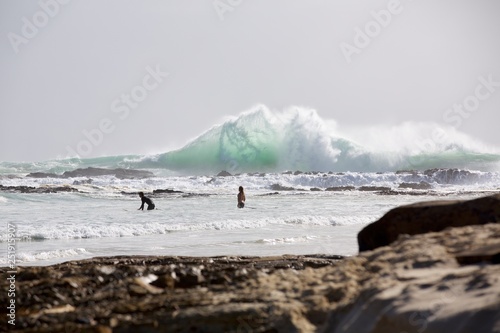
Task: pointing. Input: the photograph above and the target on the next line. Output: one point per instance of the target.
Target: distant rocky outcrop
(40, 189)
(416, 186)
(404, 192)
(87, 181)
(166, 191)
(426, 217)
(224, 173)
(95, 172)
(278, 187)
(118, 173)
(407, 172)
(340, 188)
(373, 188)
(9, 177)
(43, 175)
(451, 176)
(268, 194)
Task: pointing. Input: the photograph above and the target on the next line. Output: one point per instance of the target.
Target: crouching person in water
(146, 200)
(241, 198)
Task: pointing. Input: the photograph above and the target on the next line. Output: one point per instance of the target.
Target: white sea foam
(286, 240)
(113, 187)
(160, 228)
(33, 256)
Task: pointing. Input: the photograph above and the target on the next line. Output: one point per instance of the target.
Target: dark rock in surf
(315, 189)
(223, 173)
(373, 188)
(407, 172)
(130, 193)
(451, 176)
(43, 175)
(193, 195)
(9, 177)
(82, 182)
(402, 192)
(340, 188)
(118, 173)
(416, 186)
(426, 217)
(41, 189)
(95, 172)
(165, 191)
(278, 187)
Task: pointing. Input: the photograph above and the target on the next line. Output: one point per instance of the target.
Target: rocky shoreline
(444, 281)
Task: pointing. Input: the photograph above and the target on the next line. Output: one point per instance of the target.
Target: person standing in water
(146, 200)
(241, 198)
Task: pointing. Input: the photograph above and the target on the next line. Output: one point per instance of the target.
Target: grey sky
(65, 78)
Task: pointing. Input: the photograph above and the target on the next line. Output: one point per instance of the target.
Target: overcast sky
(67, 67)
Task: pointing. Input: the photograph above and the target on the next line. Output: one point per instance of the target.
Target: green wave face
(244, 145)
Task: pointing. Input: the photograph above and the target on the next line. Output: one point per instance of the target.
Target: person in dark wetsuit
(241, 197)
(146, 200)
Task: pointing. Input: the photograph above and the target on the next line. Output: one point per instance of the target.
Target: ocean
(308, 192)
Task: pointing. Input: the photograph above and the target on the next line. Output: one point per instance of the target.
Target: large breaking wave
(261, 140)
(298, 139)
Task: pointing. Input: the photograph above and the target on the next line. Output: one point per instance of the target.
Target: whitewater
(310, 185)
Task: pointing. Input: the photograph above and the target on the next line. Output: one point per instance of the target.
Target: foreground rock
(426, 217)
(417, 284)
(136, 294)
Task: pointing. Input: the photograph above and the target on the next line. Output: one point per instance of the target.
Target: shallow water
(52, 228)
